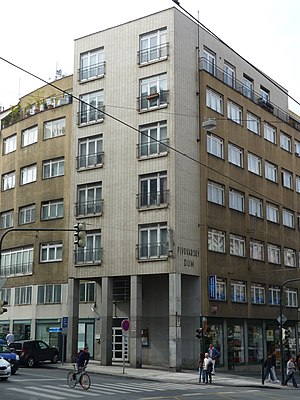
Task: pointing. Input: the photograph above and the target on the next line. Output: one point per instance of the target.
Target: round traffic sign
(125, 325)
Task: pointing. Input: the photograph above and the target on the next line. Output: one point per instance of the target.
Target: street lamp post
(281, 325)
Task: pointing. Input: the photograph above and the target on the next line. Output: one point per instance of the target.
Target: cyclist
(82, 361)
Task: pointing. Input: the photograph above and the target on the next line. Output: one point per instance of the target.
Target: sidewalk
(163, 375)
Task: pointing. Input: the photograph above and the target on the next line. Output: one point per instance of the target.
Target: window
(23, 295)
(229, 75)
(153, 241)
(274, 254)
(153, 139)
(7, 219)
(5, 294)
(238, 292)
(289, 257)
(255, 207)
(52, 210)
(92, 252)
(256, 250)
(288, 218)
(274, 295)
(285, 142)
(29, 136)
(248, 87)
(18, 261)
(153, 46)
(271, 172)
(237, 245)
(51, 252)
(291, 297)
(257, 293)
(236, 200)
(121, 289)
(214, 100)
(91, 107)
(90, 152)
(235, 155)
(216, 240)
(287, 179)
(10, 144)
(254, 164)
(153, 190)
(49, 294)
(272, 212)
(8, 181)
(270, 133)
(253, 123)
(89, 199)
(53, 168)
(215, 145)
(54, 128)
(92, 64)
(221, 289)
(153, 92)
(215, 193)
(235, 112)
(297, 147)
(27, 214)
(297, 184)
(28, 174)
(87, 292)
(265, 94)
(209, 61)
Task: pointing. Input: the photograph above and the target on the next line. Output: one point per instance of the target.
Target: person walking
(290, 372)
(273, 361)
(207, 368)
(200, 368)
(269, 377)
(213, 354)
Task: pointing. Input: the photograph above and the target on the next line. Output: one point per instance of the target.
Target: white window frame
(91, 107)
(255, 207)
(238, 292)
(209, 61)
(287, 179)
(53, 168)
(92, 65)
(253, 123)
(153, 92)
(92, 252)
(10, 144)
(50, 252)
(291, 297)
(257, 250)
(297, 183)
(234, 112)
(28, 174)
(235, 155)
(90, 152)
(297, 147)
(258, 293)
(30, 136)
(248, 87)
(215, 193)
(27, 214)
(272, 213)
(215, 145)
(285, 142)
(274, 295)
(153, 189)
(216, 240)
(229, 74)
(288, 218)
(17, 261)
(274, 254)
(54, 128)
(289, 256)
(7, 219)
(89, 199)
(237, 245)
(214, 100)
(8, 181)
(270, 133)
(153, 46)
(23, 295)
(153, 139)
(49, 294)
(87, 292)
(221, 289)
(153, 241)
(271, 171)
(52, 209)
(236, 200)
(254, 164)
(264, 94)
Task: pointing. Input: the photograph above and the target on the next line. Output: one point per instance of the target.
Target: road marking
(49, 389)
(38, 394)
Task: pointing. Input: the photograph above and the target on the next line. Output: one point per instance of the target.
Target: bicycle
(79, 376)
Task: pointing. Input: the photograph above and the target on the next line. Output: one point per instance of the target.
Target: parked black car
(31, 352)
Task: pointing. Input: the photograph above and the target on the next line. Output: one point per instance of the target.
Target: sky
(39, 36)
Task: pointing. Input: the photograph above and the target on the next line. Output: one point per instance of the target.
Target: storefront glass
(236, 343)
(214, 334)
(255, 343)
(4, 329)
(22, 330)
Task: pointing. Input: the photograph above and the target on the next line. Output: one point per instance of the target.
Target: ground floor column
(106, 321)
(175, 345)
(73, 314)
(135, 347)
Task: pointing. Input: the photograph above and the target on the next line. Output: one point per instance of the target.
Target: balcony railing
(152, 251)
(89, 208)
(90, 160)
(88, 256)
(153, 147)
(257, 98)
(153, 100)
(155, 53)
(153, 199)
(17, 269)
(91, 72)
(91, 116)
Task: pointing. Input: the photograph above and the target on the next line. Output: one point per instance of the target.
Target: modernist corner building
(183, 161)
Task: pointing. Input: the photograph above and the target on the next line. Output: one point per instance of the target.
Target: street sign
(55, 330)
(284, 319)
(125, 325)
(65, 322)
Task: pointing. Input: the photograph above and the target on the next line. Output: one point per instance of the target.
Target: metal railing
(88, 256)
(91, 72)
(90, 160)
(89, 208)
(152, 199)
(154, 53)
(152, 101)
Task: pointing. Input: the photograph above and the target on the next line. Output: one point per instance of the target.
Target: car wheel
(30, 362)
(54, 359)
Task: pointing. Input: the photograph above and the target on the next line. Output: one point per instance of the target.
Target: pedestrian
(290, 372)
(273, 361)
(200, 367)
(207, 368)
(213, 354)
(269, 377)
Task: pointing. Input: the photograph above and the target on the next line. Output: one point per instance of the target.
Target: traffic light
(199, 332)
(3, 309)
(80, 234)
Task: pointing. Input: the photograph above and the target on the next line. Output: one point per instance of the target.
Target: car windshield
(4, 348)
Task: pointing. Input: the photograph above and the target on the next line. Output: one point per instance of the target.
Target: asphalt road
(47, 383)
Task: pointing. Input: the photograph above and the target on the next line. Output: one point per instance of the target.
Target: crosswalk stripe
(36, 393)
(120, 386)
(50, 389)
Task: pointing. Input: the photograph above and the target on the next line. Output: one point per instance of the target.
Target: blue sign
(65, 322)
(212, 287)
(54, 330)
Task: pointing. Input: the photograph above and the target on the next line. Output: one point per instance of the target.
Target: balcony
(153, 251)
(152, 148)
(94, 115)
(152, 200)
(89, 208)
(152, 101)
(90, 160)
(153, 54)
(88, 256)
(94, 71)
(239, 87)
